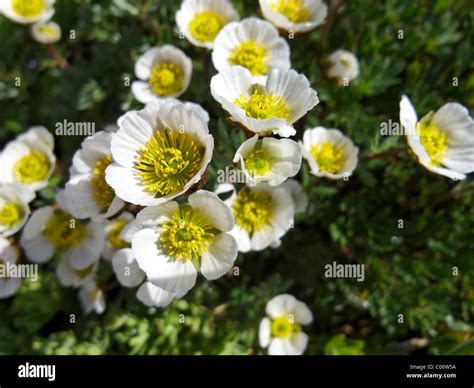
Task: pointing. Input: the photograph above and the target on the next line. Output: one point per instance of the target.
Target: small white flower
(300, 198)
(263, 214)
(114, 240)
(180, 239)
(46, 32)
(14, 209)
(329, 153)
(9, 254)
(54, 230)
(268, 160)
(29, 160)
(71, 277)
(252, 43)
(87, 193)
(443, 141)
(281, 331)
(27, 11)
(263, 109)
(92, 298)
(343, 66)
(159, 154)
(294, 15)
(164, 72)
(201, 20)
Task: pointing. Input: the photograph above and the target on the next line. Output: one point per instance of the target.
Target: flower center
(28, 8)
(168, 161)
(63, 232)
(258, 162)
(346, 63)
(329, 157)
(82, 273)
(114, 235)
(166, 78)
(283, 327)
(251, 55)
(206, 25)
(102, 193)
(31, 168)
(187, 234)
(252, 210)
(48, 30)
(10, 214)
(293, 10)
(433, 139)
(263, 106)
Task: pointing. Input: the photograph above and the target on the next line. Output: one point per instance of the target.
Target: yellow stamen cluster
(329, 157)
(10, 214)
(32, 168)
(168, 161)
(283, 327)
(434, 140)
(252, 55)
(187, 234)
(263, 106)
(114, 235)
(102, 193)
(63, 232)
(48, 30)
(28, 8)
(206, 25)
(82, 273)
(252, 210)
(293, 10)
(258, 162)
(167, 78)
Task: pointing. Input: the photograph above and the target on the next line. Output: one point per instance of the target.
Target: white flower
(443, 141)
(9, 254)
(268, 160)
(300, 198)
(53, 230)
(263, 214)
(281, 332)
(29, 160)
(71, 277)
(114, 240)
(343, 66)
(27, 11)
(329, 153)
(87, 193)
(14, 209)
(46, 32)
(252, 43)
(201, 20)
(180, 239)
(159, 154)
(200, 111)
(164, 72)
(92, 298)
(294, 15)
(274, 107)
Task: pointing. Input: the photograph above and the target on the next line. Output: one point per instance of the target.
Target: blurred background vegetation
(409, 271)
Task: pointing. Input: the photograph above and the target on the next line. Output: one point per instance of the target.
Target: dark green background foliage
(409, 271)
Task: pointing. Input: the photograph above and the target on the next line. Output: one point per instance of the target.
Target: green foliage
(409, 271)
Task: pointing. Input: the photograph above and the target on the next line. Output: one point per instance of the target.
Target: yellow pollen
(28, 8)
(82, 273)
(434, 140)
(329, 157)
(93, 294)
(283, 327)
(63, 232)
(10, 214)
(167, 78)
(114, 235)
(252, 210)
(187, 234)
(102, 193)
(168, 161)
(258, 162)
(32, 168)
(252, 55)
(263, 106)
(48, 30)
(206, 25)
(293, 10)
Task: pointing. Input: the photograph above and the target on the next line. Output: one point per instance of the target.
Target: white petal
(126, 268)
(150, 295)
(264, 332)
(220, 257)
(213, 208)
